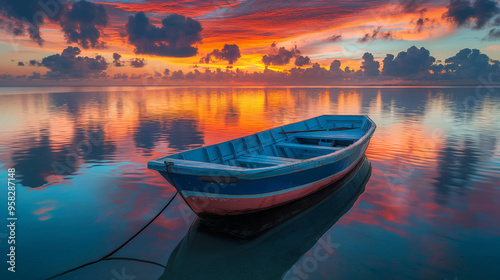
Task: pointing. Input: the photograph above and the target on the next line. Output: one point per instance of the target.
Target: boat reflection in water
(266, 245)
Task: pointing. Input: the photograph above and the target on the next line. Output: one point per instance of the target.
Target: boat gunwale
(234, 171)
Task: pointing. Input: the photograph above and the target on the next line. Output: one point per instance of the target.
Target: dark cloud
(166, 73)
(193, 75)
(493, 35)
(423, 21)
(81, 24)
(302, 60)
(420, 24)
(34, 62)
(6, 77)
(369, 65)
(175, 37)
(414, 64)
(120, 76)
(282, 56)
(15, 28)
(35, 76)
(137, 62)
(411, 61)
(69, 64)
(21, 77)
(335, 66)
(116, 60)
(20, 63)
(469, 64)
(177, 75)
(135, 77)
(463, 12)
(496, 22)
(459, 11)
(84, 23)
(411, 6)
(376, 34)
(335, 69)
(229, 53)
(312, 73)
(334, 38)
(30, 15)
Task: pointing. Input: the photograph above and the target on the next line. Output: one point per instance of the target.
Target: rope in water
(130, 239)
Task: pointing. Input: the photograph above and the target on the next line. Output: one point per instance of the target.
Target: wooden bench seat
(317, 148)
(332, 135)
(265, 160)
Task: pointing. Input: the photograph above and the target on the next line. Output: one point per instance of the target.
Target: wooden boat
(203, 254)
(269, 168)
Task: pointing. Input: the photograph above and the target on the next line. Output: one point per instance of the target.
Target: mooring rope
(121, 246)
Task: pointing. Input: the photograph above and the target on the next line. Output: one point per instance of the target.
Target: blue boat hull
(235, 191)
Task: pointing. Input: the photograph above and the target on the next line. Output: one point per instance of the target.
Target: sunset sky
(47, 42)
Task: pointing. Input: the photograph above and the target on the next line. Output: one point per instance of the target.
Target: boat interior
(287, 144)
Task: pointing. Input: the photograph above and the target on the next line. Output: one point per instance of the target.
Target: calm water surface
(430, 209)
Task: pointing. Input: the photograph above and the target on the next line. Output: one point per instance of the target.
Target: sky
(156, 42)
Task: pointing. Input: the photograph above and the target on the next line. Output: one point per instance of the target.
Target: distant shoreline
(267, 86)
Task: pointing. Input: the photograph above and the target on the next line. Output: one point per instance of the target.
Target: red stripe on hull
(204, 205)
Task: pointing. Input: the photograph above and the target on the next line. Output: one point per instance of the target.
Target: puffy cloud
(35, 76)
(413, 64)
(411, 61)
(34, 62)
(463, 12)
(177, 75)
(469, 64)
(69, 64)
(138, 62)
(175, 37)
(314, 72)
(369, 65)
(376, 34)
(336, 71)
(30, 13)
(83, 24)
(279, 56)
(302, 60)
(282, 56)
(136, 76)
(20, 63)
(120, 76)
(335, 66)
(193, 75)
(230, 53)
(116, 60)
